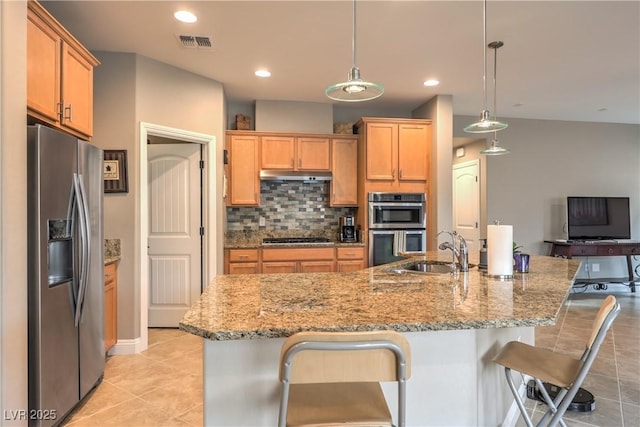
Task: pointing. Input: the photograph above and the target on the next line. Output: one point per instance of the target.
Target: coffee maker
(347, 229)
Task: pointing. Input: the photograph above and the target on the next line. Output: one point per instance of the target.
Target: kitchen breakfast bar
(455, 325)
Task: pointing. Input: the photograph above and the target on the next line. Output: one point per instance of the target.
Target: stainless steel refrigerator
(66, 272)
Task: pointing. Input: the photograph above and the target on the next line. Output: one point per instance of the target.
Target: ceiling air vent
(195, 42)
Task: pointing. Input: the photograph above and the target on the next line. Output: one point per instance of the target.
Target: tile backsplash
(290, 205)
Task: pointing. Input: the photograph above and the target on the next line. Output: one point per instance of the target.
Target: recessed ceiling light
(185, 16)
(263, 73)
(431, 82)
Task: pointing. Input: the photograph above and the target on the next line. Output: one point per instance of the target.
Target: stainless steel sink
(425, 267)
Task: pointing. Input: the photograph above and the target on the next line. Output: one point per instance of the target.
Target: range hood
(272, 175)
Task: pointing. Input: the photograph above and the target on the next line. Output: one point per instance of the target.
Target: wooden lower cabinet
(110, 305)
(350, 259)
(294, 260)
(279, 267)
(302, 260)
(243, 261)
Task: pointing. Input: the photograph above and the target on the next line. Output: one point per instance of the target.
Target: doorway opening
(206, 230)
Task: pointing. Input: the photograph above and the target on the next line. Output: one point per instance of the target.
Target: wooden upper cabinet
(344, 184)
(77, 91)
(382, 150)
(43, 68)
(59, 75)
(278, 152)
(243, 169)
(413, 152)
(295, 153)
(313, 154)
(396, 150)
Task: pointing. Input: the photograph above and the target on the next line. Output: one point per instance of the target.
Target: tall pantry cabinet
(394, 155)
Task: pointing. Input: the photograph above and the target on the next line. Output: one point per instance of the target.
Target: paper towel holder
(497, 276)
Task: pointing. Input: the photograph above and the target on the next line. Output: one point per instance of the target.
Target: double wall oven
(397, 224)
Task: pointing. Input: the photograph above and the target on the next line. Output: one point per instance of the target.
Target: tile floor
(163, 385)
(614, 378)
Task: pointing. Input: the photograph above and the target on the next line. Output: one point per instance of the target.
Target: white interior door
(466, 202)
(175, 251)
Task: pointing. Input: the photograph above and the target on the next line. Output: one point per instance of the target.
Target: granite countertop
(111, 251)
(278, 305)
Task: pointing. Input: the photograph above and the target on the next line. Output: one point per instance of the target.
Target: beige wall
(115, 129)
(440, 110)
(551, 160)
(13, 211)
(130, 89)
(291, 116)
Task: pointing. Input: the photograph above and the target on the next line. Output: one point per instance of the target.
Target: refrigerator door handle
(83, 215)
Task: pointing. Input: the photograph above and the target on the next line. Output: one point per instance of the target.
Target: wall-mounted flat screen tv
(598, 218)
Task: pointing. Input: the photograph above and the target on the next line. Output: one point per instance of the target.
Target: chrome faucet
(460, 253)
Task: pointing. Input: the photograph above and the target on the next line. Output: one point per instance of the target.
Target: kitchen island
(454, 325)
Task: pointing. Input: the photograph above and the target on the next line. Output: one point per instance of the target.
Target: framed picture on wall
(115, 171)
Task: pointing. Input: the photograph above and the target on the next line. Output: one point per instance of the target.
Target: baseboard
(130, 346)
(511, 419)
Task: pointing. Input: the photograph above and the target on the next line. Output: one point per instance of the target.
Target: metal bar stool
(331, 378)
(562, 371)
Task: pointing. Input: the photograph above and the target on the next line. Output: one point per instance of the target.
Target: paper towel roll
(500, 250)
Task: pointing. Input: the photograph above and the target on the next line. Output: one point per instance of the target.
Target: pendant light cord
(484, 52)
(495, 79)
(353, 40)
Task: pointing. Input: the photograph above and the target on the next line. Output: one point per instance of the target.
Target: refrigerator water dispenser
(59, 252)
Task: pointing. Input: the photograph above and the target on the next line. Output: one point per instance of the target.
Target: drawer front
(243, 268)
(630, 250)
(109, 273)
(302, 254)
(609, 250)
(584, 250)
(243, 255)
(350, 253)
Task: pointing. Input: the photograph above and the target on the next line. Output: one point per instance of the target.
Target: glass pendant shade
(494, 148)
(485, 124)
(354, 89)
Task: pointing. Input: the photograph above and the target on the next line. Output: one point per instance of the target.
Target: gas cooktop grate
(294, 240)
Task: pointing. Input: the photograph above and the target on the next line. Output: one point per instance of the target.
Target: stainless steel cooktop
(294, 240)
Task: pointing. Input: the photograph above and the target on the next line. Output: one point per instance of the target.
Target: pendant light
(354, 89)
(485, 124)
(494, 148)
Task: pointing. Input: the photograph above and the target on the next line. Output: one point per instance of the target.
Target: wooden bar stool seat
(564, 372)
(333, 378)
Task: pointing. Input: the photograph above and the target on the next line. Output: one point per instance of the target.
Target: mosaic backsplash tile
(293, 206)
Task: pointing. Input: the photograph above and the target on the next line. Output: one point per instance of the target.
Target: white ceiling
(562, 60)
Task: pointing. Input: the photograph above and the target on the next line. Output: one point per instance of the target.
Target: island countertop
(278, 305)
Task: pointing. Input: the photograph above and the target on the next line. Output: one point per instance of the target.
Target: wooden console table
(626, 248)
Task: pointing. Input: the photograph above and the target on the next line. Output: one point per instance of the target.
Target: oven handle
(401, 226)
(398, 204)
(407, 231)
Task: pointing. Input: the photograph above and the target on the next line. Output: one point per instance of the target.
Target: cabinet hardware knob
(400, 174)
(393, 173)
